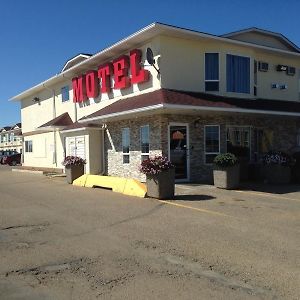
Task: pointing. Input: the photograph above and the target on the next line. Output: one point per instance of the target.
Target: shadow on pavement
(271, 188)
(193, 197)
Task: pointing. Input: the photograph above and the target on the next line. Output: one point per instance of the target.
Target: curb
(28, 171)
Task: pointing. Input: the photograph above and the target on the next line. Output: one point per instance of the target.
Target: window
(238, 141)
(238, 74)
(145, 142)
(212, 142)
(65, 93)
(28, 146)
(125, 144)
(211, 72)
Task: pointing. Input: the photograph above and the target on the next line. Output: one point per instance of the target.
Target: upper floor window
(211, 72)
(125, 144)
(238, 74)
(65, 93)
(145, 142)
(28, 146)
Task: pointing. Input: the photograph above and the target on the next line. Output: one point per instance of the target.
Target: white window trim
(126, 154)
(144, 153)
(62, 100)
(216, 153)
(212, 52)
(28, 148)
(250, 135)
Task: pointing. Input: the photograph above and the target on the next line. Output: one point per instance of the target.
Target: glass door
(178, 150)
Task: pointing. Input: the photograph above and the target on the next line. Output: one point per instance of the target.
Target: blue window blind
(65, 93)
(211, 66)
(211, 71)
(238, 74)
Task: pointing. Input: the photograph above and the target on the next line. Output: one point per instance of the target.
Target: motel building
(167, 90)
(11, 138)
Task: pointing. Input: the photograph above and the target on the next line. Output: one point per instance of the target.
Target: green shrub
(225, 160)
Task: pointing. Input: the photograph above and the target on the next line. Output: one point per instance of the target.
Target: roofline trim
(72, 59)
(263, 31)
(157, 25)
(131, 111)
(81, 129)
(189, 107)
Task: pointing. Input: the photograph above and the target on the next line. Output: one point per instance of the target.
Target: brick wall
(113, 143)
(284, 132)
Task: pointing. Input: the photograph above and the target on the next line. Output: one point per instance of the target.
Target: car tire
(13, 163)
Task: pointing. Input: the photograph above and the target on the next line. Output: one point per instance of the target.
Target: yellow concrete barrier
(131, 187)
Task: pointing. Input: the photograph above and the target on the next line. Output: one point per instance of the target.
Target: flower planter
(161, 185)
(277, 174)
(73, 172)
(227, 177)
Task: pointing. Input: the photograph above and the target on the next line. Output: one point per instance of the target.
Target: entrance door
(179, 150)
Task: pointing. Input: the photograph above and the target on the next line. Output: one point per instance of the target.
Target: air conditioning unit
(291, 71)
(283, 86)
(263, 66)
(281, 68)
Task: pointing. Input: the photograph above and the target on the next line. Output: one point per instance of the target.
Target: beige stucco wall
(181, 62)
(34, 115)
(182, 68)
(261, 39)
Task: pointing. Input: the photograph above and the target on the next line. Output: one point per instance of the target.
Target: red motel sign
(88, 85)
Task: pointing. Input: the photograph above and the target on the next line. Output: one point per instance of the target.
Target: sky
(38, 37)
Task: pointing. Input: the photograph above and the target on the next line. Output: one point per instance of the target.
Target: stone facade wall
(113, 143)
(284, 133)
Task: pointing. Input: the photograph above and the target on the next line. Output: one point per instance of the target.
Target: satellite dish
(150, 58)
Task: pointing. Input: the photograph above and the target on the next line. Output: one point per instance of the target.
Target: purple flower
(73, 160)
(155, 165)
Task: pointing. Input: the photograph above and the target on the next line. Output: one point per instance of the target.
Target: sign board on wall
(88, 85)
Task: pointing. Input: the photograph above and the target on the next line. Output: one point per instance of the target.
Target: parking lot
(58, 241)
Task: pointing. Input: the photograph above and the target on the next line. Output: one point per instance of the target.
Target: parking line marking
(195, 208)
(268, 195)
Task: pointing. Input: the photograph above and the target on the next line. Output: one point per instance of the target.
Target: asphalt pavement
(58, 241)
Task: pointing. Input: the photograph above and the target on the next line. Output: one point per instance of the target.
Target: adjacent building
(11, 138)
(172, 91)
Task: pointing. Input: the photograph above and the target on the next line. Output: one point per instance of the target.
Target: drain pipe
(75, 104)
(54, 116)
(104, 126)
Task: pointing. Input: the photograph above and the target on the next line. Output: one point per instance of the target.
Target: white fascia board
(74, 58)
(49, 128)
(127, 112)
(265, 32)
(138, 38)
(60, 76)
(227, 40)
(238, 110)
(80, 129)
(190, 107)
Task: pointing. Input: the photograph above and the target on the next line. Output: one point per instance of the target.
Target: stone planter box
(227, 178)
(277, 174)
(73, 172)
(162, 185)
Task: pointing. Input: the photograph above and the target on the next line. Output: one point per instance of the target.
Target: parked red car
(12, 160)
